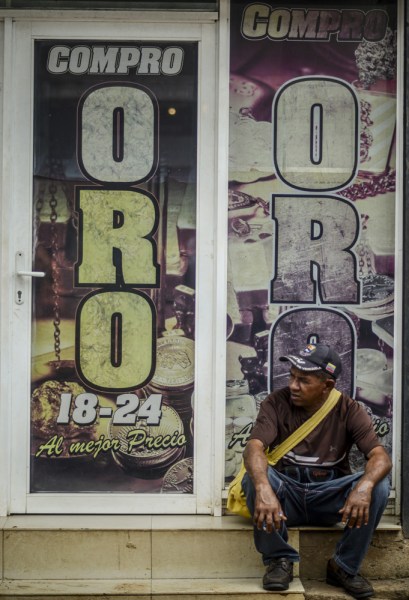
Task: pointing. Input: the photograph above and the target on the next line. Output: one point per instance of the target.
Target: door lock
(20, 272)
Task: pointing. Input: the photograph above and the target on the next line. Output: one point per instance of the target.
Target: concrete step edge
(385, 589)
(175, 523)
(145, 588)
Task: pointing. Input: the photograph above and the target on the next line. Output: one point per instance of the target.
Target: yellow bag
(236, 500)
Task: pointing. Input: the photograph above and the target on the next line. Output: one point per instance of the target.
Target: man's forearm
(255, 462)
(377, 467)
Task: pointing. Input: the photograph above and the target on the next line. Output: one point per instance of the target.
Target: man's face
(308, 390)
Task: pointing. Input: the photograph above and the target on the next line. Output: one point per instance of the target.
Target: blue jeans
(317, 504)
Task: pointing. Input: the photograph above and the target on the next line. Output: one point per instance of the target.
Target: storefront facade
(166, 236)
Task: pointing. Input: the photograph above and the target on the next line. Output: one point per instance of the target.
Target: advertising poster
(114, 228)
(311, 202)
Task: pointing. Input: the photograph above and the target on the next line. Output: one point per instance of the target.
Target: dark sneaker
(356, 585)
(278, 574)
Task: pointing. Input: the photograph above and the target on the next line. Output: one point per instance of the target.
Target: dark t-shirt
(328, 445)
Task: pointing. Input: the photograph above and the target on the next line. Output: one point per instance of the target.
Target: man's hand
(355, 511)
(268, 513)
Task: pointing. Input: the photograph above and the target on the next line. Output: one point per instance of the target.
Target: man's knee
(276, 481)
(381, 491)
(247, 485)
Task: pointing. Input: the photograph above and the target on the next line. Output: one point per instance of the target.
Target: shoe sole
(336, 583)
(276, 587)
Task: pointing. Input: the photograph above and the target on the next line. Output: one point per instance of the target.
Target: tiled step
(163, 589)
(127, 548)
(197, 589)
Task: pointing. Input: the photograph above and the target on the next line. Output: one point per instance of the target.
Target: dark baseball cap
(316, 357)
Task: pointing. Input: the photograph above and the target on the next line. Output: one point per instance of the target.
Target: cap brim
(300, 363)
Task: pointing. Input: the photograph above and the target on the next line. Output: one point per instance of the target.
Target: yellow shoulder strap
(299, 434)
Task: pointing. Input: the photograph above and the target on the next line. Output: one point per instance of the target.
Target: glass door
(108, 275)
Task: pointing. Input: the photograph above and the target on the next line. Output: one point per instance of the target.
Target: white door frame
(16, 235)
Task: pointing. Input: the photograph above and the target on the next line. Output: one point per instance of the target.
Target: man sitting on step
(313, 484)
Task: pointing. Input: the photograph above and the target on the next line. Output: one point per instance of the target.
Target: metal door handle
(22, 273)
(31, 273)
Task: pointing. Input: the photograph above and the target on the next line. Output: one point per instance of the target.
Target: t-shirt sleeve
(265, 427)
(362, 430)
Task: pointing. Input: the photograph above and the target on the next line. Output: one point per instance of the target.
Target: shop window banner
(114, 228)
(311, 207)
